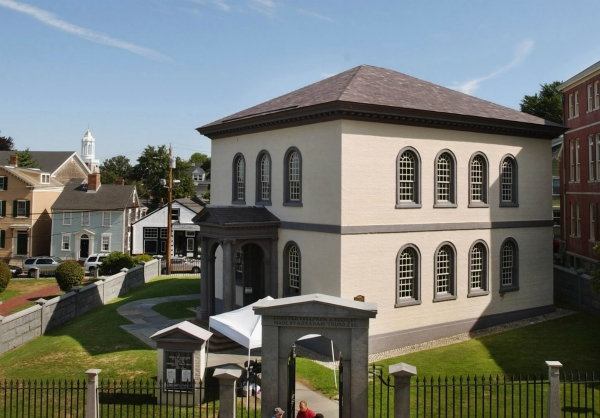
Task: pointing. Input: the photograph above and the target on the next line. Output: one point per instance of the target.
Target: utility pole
(169, 216)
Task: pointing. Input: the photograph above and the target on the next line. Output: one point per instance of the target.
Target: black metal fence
(580, 394)
(56, 398)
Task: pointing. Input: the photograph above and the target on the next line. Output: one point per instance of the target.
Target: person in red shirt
(304, 412)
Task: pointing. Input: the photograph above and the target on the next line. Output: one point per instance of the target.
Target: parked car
(46, 265)
(93, 261)
(181, 265)
(15, 270)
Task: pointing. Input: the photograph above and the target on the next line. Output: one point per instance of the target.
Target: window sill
(476, 293)
(238, 202)
(263, 203)
(443, 298)
(509, 289)
(411, 205)
(293, 204)
(478, 205)
(509, 205)
(411, 302)
(445, 205)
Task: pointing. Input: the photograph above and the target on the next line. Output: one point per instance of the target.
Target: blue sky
(148, 72)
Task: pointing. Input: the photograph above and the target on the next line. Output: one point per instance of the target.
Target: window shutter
(27, 205)
(14, 208)
(5, 183)
(2, 238)
(3, 208)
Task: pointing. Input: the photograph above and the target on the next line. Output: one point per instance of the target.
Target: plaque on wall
(178, 370)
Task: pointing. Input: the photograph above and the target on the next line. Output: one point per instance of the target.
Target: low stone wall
(574, 288)
(24, 326)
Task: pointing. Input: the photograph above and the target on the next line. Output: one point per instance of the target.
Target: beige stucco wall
(369, 268)
(369, 153)
(41, 218)
(319, 145)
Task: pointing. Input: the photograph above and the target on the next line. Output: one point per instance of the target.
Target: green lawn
(177, 310)
(94, 340)
(21, 287)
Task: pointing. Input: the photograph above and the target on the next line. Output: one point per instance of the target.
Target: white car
(93, 261)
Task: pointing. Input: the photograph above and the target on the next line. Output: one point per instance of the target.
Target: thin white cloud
(222, 5)
(314, 15)
(523, 50)
(51, 20)
(266, 7)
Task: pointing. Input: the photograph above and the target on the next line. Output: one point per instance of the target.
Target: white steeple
(88, 151)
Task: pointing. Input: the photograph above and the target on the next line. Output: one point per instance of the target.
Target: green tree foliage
(143, 258)
(116, 168)
(5, 275)
(547, 103)
(6, 143)
(115, 262)
(69, 274)
(152, 166)
(26, 159)
(203, 160)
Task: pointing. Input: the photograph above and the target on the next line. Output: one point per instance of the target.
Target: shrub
(115, 262)
(5, 275)
(69, 274)
(143, 258)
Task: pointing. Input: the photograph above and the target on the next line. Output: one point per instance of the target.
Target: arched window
(445, 273)
(478, 269)
(408, 277)
(292, 270)
(509, 266)
(239, 180)
(263, 178)
(509, 181)
(445, 180)
(478, 181)
(292, 178)
(408, 179)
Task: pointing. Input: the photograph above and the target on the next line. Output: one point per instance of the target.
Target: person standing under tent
(304, 412)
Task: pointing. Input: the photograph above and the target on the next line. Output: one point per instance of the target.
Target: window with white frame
(509, 181)
(445, 273)
(239, 179)
(408, 276)
(478, 183)
(592, 222)
(578, 216)
(555, 186)
(239, 257)
(591, 157)
(408, 168)
(571, 112)
(478, 268)
(150, 233)
(572, 219)
(263, 178)
(571, 160)
(85, 218)
(598, 156)
(105, 243)
(509, 266)
(190, 244)
(45, 178)
(67, 218)
(597, 95)
(174, 214)
(164, 233)
(66, 242)
(3, 182)
(292, 270)
(21, 206)
(576, 104)
(292, 173)
(589, 98)
(105, 218)
(577, 165)
(445, 180)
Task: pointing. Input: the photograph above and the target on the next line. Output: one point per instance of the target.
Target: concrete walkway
(146, 322)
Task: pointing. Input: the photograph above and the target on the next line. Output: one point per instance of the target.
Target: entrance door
(84, 246)
(22, 243)
(253, 274)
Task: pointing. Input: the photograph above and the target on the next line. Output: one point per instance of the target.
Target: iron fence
(381, 398)
(56, 398)
(580, 394)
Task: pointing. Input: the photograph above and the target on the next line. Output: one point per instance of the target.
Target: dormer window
(45, 178)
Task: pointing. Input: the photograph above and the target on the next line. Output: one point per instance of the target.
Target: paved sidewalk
(13, 303)
(146, 322)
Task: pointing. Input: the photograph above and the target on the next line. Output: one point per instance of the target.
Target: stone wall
(24, 326)
(573, 288)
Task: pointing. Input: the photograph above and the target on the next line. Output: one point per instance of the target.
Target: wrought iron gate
(291, 404)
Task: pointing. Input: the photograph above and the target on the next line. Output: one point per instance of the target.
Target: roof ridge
(356, 71)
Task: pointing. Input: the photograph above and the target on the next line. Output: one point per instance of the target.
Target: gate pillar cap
(227, 373)
(553, 363)
(315, 304)
(402, 370)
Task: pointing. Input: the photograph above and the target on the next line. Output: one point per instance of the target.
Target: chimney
(14, 160)
(120, 182)
(93, 182)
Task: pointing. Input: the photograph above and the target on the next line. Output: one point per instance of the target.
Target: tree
(203, 160)
(6, 143)
(547, 103)
(116, 168)
(26, 159)
(152, 166)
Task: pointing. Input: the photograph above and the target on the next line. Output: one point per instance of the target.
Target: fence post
(554, 389)
(402, 373)
(91, 409)
(227, 378)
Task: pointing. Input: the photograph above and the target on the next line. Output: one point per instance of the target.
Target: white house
(149, 234)
(432, 203)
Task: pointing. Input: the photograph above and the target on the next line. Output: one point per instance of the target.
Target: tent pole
(333, 361)
(248, 381)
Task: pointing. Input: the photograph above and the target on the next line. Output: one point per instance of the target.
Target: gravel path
(325, 361)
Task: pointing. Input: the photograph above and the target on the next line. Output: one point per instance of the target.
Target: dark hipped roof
(383, 94)
(112, 197)
(233, 215)
(49, 161)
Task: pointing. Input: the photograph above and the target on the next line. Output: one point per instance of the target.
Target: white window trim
(597, 156)
(104, 219)
(45, 178)
(589, 98)
(591, 158)
(592, 222)
(67, 220)
(572, 234)
(576, 104)
(596, 95)
(108, 236)
(578, 220)
(571, 113)
(62, 242)
(85, 216)
(571, 161)
(24, 202)
(577, 162)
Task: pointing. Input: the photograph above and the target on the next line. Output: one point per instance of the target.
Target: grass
(22, 287)
(94, 340)
(177, 310)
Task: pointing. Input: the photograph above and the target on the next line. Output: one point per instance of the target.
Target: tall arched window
(239, 180)
(408, 177)
(509, 266)
(478, 181)
(292, 270)
(263, 178)
(445, 180)
(408, 277)
(445, 273)
(478, 269)
(292, 177)
(509, 181)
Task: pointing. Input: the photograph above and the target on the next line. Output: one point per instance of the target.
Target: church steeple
(88, 151)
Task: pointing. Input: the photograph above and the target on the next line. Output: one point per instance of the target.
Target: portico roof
(236, 216)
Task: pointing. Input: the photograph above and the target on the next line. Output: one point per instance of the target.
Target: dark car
(15, 270)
